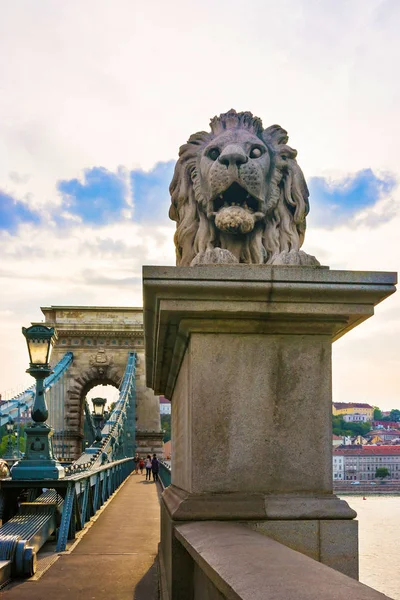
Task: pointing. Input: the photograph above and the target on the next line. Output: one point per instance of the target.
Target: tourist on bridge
(141, 465)
(136, 460)
(155, 467)
(148, 467)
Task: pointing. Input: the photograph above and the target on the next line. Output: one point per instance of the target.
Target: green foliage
(382, 472)
(166, 427)
(340, 427)
(4, 442)
(394, 415)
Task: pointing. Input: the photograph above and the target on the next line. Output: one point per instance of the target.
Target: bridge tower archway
(101, 339)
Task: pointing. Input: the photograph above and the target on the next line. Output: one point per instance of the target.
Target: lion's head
(240, 189)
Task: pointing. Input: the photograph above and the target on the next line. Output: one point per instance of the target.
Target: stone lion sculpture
(239, 196)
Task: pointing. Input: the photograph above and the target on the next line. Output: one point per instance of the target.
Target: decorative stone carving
(239, 196)
(100, 362)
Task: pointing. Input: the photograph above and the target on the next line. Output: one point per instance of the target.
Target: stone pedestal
(244, 354)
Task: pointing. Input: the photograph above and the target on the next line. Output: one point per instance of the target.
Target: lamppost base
(50, 469)
(39, 461)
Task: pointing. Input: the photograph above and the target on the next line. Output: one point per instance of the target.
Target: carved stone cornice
(96, 333)
(146, 434)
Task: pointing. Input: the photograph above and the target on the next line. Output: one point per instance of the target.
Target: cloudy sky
(95, 99)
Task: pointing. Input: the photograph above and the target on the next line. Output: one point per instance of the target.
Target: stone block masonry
(100, 339)
(244, 354)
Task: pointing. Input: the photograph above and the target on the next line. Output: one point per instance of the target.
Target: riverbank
(366, 489)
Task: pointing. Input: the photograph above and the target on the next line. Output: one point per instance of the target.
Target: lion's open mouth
(236, 195)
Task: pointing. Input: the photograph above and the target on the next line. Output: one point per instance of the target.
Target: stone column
(244, 354)
(149, 437)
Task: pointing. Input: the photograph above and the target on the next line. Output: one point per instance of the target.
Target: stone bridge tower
(100, 339)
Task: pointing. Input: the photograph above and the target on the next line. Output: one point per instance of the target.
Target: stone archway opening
(108, 390)
(103, 390)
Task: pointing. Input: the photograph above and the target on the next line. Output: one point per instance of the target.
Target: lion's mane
(287, 206)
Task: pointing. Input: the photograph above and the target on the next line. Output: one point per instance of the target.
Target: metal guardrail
(86, 493)
(165, 473)
(71, 502)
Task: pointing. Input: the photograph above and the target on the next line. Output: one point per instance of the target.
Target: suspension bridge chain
(11, 407)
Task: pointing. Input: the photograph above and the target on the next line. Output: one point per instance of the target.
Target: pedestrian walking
(148, 467)
(136, 460)
(155, 467)
(141, 465)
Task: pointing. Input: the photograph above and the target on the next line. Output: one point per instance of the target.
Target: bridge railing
(165, 473)
(230, 561)
(75, 499)
(85, 493)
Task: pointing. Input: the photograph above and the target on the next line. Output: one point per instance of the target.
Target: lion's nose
(233, 155)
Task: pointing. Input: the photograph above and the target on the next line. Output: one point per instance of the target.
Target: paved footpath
(115, 560)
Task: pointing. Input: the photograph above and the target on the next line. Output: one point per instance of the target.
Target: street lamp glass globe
(98, 406)
(39, 340)
(10, 426)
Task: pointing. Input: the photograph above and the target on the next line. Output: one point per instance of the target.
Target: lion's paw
(216, 256)
(295, 258)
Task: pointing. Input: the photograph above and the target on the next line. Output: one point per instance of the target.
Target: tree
(340, 427)
(377, 414)
(359, 428)
(395, 415)
(382, 472)
(4, 442)
(166, 427)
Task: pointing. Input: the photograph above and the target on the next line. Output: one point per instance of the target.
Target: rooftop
(351, 405)
(387, 424)
(394, 432)
(369, 451)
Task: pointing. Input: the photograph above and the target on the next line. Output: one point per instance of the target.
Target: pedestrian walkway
(116, 558)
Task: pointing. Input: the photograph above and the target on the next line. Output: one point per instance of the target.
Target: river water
(379, 542)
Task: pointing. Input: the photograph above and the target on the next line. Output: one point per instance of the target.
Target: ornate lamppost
(98, 416)
(39, 461)
(24, 406)
(9, 455)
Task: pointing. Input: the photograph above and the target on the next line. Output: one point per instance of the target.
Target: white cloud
(366, 361)
(81, 266)
(96, 83)
(125, 83)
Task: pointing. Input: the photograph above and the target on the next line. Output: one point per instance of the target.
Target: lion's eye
(213, 153)
(256, 152)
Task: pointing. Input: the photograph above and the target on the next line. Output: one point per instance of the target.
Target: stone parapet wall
(228, 561)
